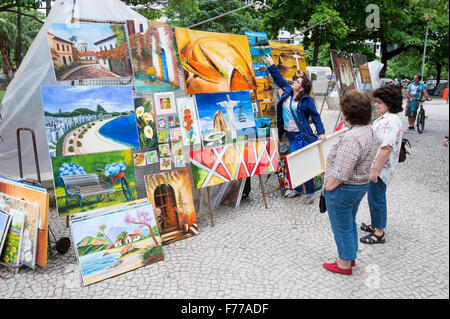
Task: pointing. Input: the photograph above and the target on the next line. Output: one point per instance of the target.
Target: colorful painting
(175, 134)
(89, 51)
(89, 119)
(260, 70)
(161, 123)
(165, 164)
(109, 174)
(290, 59)
(225, 117)
(345, 74)
(174, 121)
(264, 90)
(32, 194)
(263, 125)
(171, 196)
(154, 58)
(116, 241)
(164, 150)
(268, 110)
(212, 166)
(188, 120)
(163, 136)
(5, 221)
(365, 74)
(145, 120)
(165, 103)
(177, 148)
(11, 250)
(139, 159)
(259, 43)
(151, 157)
(29, 240)
(214, 62)
(179, 161)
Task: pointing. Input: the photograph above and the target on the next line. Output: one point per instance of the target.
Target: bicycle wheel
(126, 189)
(421, 121)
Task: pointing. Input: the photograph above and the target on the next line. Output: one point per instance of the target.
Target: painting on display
(259, 43)
(179, 161)
(32, 194)
(164, 150)
(214, 62)
(163, 136)
(225, 117)
(89, 119)
(139, 159)
(290, 59)
(213, 166)
(161, 123)
(268, 110)
(190, 131)
(174, 121)
(171, 196)
(165, 163)
(264, 90)
(110, 174)
(365, 74)
(29, 239)
(153, 54)
(260, 70)
(110, 242)
(345, 74)
(10, 255)
(177, 148)
(175, 134)
(145, 120)
(151, 157)
(5, 221)
(263, 125)
(89, 51)
(165, 103)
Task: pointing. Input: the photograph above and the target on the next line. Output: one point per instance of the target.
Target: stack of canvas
(26, 240)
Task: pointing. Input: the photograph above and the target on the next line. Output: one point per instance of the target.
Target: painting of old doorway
(171, 195)
(164, 198)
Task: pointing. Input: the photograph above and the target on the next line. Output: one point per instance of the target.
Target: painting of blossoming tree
(153, 55)
(113, 241)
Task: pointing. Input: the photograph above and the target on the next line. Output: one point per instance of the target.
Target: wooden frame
(310, 161)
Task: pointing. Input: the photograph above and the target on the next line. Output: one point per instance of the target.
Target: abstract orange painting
(214, 62)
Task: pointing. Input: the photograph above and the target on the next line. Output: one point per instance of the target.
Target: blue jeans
(342, 205)
(376, 196)
(309, 185)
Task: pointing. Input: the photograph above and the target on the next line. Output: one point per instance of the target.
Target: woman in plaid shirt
(347, 177)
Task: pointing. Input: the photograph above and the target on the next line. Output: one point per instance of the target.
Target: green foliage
(71, 149)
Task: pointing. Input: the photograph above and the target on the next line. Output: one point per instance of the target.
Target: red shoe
(335, 268)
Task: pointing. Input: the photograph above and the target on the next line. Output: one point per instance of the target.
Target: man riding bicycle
(414, 93)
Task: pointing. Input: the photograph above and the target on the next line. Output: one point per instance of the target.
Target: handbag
(403, 151)
(322, 206)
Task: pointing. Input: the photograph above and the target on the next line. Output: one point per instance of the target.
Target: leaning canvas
(10, 255)
(290, 59)
(214, 62)
(345, 74)
(110, 242)
(89, 51)
(154, 58)
(171, 196)
(259, 43)
(89, 119)
(91, 181)
(5, 221)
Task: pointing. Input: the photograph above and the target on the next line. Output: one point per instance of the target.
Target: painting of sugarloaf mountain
(116, 240)
(89, 119)
(89, 51)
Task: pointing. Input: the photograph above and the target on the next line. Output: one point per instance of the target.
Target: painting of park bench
(91, 181)
(89, 119)
(109, 242)
(89, 51)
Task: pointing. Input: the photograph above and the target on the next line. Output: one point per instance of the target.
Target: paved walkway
(278, 253)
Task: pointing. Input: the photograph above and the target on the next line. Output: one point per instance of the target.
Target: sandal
(367, 228)
(372, 239)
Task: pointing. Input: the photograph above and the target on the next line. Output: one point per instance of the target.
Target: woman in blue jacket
(293, 111)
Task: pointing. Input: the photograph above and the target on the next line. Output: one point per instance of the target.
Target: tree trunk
(5, 52)
(18, 51)
(316, 46)
(438, 73)
(384, 59)
(48, 6)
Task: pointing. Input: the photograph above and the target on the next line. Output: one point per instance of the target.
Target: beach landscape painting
(91, 181)
(116, 241)
(154, 58)
(89, 51)
(225, 117)
(89, 119)
(259, 43)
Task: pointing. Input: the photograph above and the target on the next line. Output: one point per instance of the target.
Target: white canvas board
(304, 164)
(330, 141)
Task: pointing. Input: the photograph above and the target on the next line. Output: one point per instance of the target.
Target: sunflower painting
(214, 62)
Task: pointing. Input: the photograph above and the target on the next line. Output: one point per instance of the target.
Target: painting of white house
(116, 240)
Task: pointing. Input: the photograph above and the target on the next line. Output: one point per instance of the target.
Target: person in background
(294, 108)
(388, 127)
(446, 139)
(414, 94)
(347, 176)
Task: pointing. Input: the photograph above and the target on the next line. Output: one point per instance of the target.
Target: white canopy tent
(21, 105)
